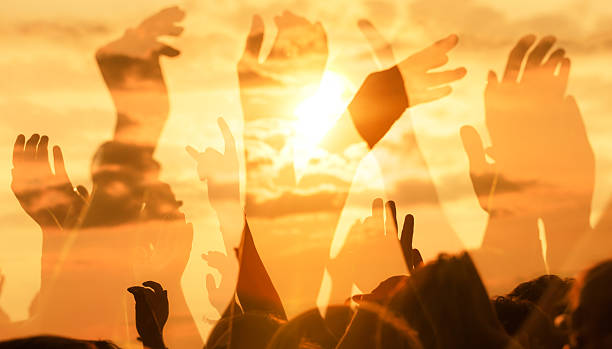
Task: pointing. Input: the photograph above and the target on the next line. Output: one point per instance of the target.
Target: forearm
(565, 228)
(181, 330)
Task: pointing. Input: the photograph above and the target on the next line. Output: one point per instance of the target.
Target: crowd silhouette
(113, 255)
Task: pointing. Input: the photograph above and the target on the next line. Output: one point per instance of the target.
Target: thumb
(472, 144)
(193, 152)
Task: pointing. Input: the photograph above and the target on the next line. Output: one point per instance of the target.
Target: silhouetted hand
(228, 268)
(384, 96)
(151, 313)
(361, 254)
(45, 195)
(291, 72)
(131, 69)
(223, 176)
(421, 85)
(221, 172)
(543, 159)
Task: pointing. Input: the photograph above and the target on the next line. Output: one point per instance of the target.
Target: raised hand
(132, 72)
(360, 258)
(291, 72)
(385, 95)
(151, 313)
(45, 195)
(227, 265)
(221, 172)
(543, 162)
(539, 144)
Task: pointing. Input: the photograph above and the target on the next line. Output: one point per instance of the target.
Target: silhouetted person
(543, 169)
(445, 302)
(130, 227)
(275, 198)
(592, 308)
(55, 342)
(222, 177)
(528, 324)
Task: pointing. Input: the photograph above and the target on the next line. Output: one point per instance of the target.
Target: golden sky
(51, 85)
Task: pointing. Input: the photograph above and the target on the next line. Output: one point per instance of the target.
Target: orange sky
(51, 85)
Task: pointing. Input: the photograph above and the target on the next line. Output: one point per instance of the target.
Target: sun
(318, 113)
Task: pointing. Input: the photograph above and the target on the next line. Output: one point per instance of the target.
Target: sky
(51, 85)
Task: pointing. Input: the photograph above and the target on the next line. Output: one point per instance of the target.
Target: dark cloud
(292, 203)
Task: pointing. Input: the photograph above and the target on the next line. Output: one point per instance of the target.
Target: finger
(474, 149)
(42, 153)
(391, 220)
(136, 290)
(444, 77)
(417, 259)
(255, 38)
(165, 50)
(377, 210)
(83, 192)
(515, 59)
(30, 148)
(406, 239)
(230, 143)
(430, 95)
(382, 49)
(553, 61)
(193, 152)
(431, 57)
(492, 81)
(18, 150)
(154, 285)
(159, 23)
(537, 54)
(564, 72)
(58, 164)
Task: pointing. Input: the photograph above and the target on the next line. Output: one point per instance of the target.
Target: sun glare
(318, 113)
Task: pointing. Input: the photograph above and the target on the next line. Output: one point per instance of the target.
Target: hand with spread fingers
(131, 69)
(45, 195)
(227, 266)
(291, 72)
(539, 143)
(543, 162)
(360, 258)
(384, 96)
(151, 313)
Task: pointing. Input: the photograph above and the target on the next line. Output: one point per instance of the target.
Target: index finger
(228, 137)
(515, 59)
(391, 222)
(431, 57)
(406, 240)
